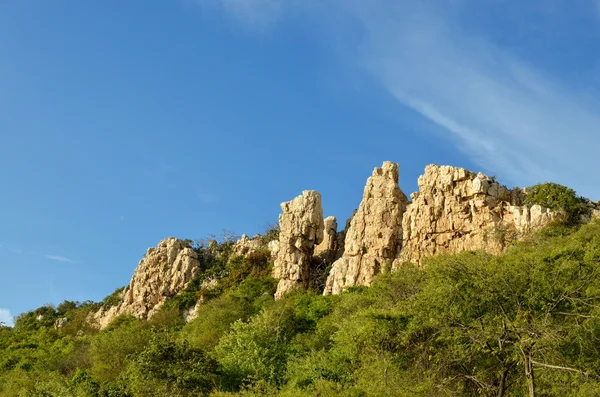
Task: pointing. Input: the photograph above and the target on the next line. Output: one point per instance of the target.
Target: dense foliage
(526, 323)
(558, 198)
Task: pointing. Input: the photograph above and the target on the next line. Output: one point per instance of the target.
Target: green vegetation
(558, 198)
(113, 299)
(525, 323)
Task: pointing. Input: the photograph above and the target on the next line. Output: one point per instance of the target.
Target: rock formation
(375, 233)
(163, 272)
(60, 322)
(457, 210)
(246, 245)
(454, 210)
(301, 228)
(327, 250)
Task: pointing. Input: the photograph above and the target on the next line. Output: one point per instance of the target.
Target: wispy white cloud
(59, 258)
(6, 317)
(510, 117)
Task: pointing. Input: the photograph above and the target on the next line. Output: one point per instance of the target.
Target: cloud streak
(6, 317)
(506, 115)
(510, 117)
(59, 258)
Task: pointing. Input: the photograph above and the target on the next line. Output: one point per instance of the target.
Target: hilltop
(464, 287)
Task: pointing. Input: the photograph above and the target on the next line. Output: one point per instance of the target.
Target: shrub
(271, 233)
(39, 318)
(113, 299)
(114, 348)
(558, 198)
(169, 368)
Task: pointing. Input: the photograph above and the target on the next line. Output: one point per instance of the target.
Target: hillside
(465, 288)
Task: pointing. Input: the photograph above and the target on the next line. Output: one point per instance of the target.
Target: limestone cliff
(163, 272)
(375, 233)
(454, 210)
(457, 210)
(301, 228)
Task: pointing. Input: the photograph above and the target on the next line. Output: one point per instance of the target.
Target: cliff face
(375, 233)
(454, 210)
(457, 210)
(163, 272)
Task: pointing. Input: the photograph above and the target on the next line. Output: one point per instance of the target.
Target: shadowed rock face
(163, 272)
(301, 228)
(375, 234)
(327, 250)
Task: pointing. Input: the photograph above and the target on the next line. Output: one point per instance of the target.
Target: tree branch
(562, 368)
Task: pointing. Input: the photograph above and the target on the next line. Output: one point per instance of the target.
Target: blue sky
(125, 122)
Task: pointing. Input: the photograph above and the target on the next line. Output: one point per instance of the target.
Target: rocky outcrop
(457, 210)
(375, 234)
(301, 228)
(60, 322)
(163, 272)
(246, 245)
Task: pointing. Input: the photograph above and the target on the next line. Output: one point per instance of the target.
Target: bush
(558, 198)
(113, 299)
(113, 349)
(169, 368)
(42, 317)
(216, 316)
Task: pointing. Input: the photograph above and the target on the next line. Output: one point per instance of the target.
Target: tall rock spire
(300, 229)
(375, 234)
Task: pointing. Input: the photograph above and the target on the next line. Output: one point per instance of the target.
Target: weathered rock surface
(163, 272)
(328, 248)
(61, 322)
(375, 234)
(457, 210)
(246, 245)
(301, 228)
